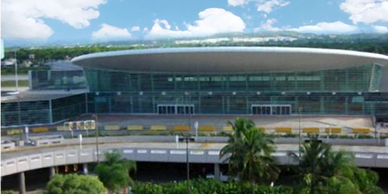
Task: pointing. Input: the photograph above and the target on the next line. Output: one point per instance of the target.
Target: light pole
(97, 134)
(300, 137)
(187, 138)
(16, 72)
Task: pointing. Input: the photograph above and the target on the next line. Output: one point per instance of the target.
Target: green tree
(74, 183)
(250, 153)
(114, 171)
(366, 180)
(318, 163)
(321, 170)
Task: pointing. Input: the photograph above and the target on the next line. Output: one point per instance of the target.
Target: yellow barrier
(361, 130)
(14, 131)
(112, 127)
(227, 128)
(335, 130)
(39, 130)
(158, 128)
(135, 127)
(207, 128)
(283, 129)
(310, 130)
(181, 128)
(262, 129)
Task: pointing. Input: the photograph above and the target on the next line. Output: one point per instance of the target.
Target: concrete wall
(74, 156)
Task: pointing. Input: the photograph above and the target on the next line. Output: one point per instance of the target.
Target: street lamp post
(97, 134)
(16, 72)
(300, 137)
(187, 137)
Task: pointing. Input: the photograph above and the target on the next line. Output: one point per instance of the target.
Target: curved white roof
(228, 59)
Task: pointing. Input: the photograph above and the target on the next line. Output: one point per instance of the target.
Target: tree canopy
(324, 171)
(250, 153)
(74, 183)
(114, 171)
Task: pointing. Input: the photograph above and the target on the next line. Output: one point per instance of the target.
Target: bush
(207, 186)
(74, 183)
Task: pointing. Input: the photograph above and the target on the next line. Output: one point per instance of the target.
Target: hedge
(207, 186)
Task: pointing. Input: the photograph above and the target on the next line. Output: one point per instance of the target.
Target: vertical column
(322, 103)
(50, 115)
(217, 174)
(85, 168)
(52, 172)
(22, 183)
(110, 103)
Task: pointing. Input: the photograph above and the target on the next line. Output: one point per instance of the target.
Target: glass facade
(338, 91)
(57, 80)
(42, 112)
(350, 91)
(361, 79)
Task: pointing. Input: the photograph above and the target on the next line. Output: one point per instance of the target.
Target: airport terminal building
(218, 81)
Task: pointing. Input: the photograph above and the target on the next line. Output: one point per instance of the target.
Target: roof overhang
(228, 59)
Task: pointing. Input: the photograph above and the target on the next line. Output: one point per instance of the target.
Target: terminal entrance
(271, 109)
(172, 109)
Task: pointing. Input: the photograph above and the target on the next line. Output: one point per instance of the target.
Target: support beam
(52, 172)
(85, 168)
(217, 174)
(22, 183)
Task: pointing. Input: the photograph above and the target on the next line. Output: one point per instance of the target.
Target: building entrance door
(175, 109)
(258, 109)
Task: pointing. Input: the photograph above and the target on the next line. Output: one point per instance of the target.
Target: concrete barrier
(47, 140)
(5, 145)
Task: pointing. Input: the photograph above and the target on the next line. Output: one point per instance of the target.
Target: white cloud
(211, 21)
(324, 27)
(366, 11)
(108, 32)
(266, 6)
(269, 6)
(235, 3)
(145, 29)
(24, 17)
(267, 26)
(135, 28)
(381, 29)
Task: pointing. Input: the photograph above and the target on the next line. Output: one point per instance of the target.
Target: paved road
(203, 146)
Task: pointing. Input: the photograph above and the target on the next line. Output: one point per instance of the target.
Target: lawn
(22, 83)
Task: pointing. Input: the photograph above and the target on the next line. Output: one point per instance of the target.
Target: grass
(22, 83)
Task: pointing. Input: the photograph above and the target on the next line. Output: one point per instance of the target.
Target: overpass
(164, 149)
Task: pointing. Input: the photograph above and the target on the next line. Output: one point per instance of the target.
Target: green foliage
(8, 192)
(250, 153)
(114, 171)
(322, 170)
(208, 186)
(74, 183)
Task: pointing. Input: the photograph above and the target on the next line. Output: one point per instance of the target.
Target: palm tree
(114, 171)
(250, 153)
(318, 163)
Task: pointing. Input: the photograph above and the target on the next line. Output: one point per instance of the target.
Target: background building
(221, 81)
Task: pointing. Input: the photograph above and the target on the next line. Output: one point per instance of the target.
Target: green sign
(2, 49)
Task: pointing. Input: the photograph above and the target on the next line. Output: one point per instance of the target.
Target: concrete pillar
(52, 172)
(217, 174)
(22, 183)
(85, 168)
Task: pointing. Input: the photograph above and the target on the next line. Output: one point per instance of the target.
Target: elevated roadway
(23, 159)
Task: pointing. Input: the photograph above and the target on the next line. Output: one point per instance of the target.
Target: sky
(103, 20)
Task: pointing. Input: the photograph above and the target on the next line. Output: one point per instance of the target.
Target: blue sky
(100, 20)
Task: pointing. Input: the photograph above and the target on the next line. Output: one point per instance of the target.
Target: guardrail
(50, 157)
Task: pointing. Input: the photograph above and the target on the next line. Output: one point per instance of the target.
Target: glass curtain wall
(57, 80)
(362, 78)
